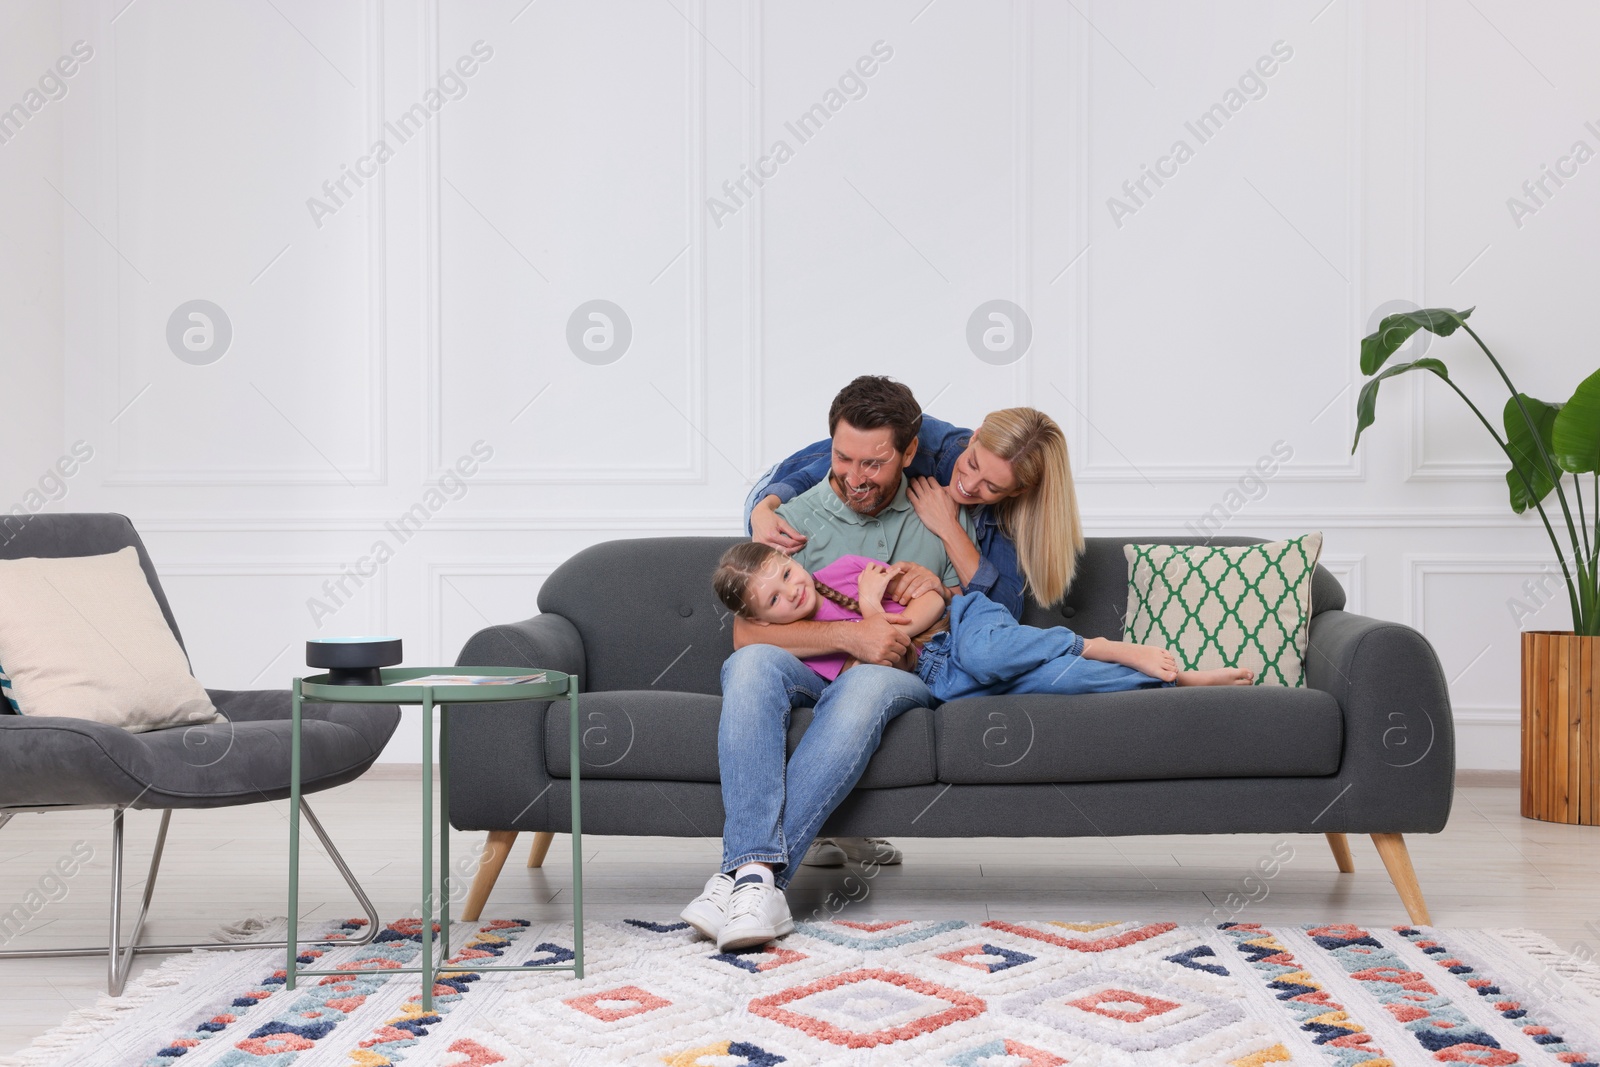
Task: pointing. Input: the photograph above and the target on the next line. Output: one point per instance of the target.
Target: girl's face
(981, 477)
(781, 593)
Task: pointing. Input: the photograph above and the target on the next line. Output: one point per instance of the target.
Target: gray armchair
(61, 764)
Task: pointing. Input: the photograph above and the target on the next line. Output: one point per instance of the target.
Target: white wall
(30, 260)
(1178, 341)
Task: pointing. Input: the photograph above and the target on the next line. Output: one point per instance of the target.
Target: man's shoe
(824, 853)
(707, 911)
(757, 913)
(868, 850)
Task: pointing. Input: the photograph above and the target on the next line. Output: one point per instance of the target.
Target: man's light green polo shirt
(894, 535)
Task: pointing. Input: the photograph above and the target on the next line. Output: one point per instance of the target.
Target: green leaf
(1395, 330)
(1367, 403)
(1576, 441)
(1526, 460)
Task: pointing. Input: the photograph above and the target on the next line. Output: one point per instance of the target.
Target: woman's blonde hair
(1043, 517)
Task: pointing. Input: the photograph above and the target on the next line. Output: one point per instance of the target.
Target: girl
(980, 650)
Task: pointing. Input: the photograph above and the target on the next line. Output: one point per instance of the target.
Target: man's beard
(866, 503)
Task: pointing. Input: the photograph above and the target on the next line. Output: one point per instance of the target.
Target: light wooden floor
(1490, 868)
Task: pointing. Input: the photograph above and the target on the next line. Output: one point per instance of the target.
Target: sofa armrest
(547, 640)
(498, 779)
(1398, 763)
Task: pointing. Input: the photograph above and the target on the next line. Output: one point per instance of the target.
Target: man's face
(866, 467)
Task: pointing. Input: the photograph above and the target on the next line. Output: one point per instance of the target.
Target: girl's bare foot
(1219, 676)
(1149, 659)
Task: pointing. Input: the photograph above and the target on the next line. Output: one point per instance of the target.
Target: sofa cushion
(672, 737)
(47, 760)
(1201, 732)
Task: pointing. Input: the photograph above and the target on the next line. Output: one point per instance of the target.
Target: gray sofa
(1366, 747)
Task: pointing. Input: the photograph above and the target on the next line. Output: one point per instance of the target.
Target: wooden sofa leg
(1392, 847)
(495, 851)
(541, 845)
(1341, 853)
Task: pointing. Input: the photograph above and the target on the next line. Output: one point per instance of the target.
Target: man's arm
(875, 640)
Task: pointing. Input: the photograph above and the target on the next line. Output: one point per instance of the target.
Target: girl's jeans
(775, 806)
(986, 651)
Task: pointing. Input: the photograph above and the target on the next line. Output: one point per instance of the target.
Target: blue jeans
(986, 651)
(774, 806)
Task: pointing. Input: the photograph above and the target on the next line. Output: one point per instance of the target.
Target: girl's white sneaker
(707, 911)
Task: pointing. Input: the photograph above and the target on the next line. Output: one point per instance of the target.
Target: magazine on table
(477, 679)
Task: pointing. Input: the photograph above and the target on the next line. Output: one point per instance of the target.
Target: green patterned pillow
(1214, 606)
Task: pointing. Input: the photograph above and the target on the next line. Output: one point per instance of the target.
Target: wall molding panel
(1349, 468)
(439, 587)
(372, 616)
(111, 399)
(693, 469)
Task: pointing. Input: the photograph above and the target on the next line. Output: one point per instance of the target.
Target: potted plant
(1544, 442)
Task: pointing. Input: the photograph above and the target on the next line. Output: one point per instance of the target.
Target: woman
(1013, 475)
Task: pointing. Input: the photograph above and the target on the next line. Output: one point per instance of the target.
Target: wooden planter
(1560, 731)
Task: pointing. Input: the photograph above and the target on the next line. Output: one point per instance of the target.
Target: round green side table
(317, 689)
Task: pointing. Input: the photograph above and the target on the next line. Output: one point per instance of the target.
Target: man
(775, 807)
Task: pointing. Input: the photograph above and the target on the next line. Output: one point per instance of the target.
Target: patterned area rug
(953, 994)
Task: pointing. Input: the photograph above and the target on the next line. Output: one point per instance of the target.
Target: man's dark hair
(873, 401)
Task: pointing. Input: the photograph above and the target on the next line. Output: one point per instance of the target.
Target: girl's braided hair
(745, 561)
(828, 592)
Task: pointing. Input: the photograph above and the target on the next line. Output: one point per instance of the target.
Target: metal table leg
(427, 850)
(293, 933)
(577, 836)
(444, 832)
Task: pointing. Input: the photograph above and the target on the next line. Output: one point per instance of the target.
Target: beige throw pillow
(83, 637)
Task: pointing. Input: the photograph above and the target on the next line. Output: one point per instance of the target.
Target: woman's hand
(873, 581)
(934, 506)
(767, 527)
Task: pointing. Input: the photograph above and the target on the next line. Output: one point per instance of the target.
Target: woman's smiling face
(981, 477)
(781, 593)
